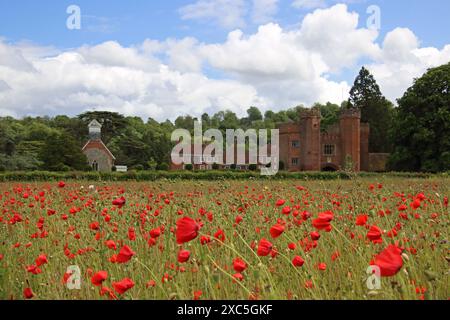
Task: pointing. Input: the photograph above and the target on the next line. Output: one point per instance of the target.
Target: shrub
(200, 175)
(138, 167)
(162, 167)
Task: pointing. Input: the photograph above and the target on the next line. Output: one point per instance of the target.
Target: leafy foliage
(419, 130)
(375, 110)
(422, 125)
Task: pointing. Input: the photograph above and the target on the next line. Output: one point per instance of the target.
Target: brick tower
(365, 133)
(310, 140)
(350, 125)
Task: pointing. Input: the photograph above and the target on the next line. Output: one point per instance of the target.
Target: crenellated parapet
(310, 113)
(350, 113)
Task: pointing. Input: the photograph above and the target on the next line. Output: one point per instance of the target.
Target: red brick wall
(331, 137)
(290, 132)
(350, 138)
(310, 141)
(365, 132)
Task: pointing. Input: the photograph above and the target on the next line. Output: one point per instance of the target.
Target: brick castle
(305, 147)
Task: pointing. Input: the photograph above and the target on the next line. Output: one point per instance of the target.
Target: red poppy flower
(315, 235)
(220, 235)
(276, 230)
(99, 277)
(155, 233)
(239, 265)
(374, 234)
(205, 240)
(306, 215)
(335, 255)
(286, 210)
(421, 196)
(280, 202)
(322, 266)
(131, 234)
(106, 290)
(238, 276)
(61, 184)
(111, 244)
(361, 220)
(42, 259)
(123, 286)
(94, 225)
(183, 256)
(34, 269)
(415, 204)
(187, 230)
(125, 254)
(197, 295)
(119, 202)
(298, 261)
(28, 293)
(389, 260)
(264, 248)
(323, 221)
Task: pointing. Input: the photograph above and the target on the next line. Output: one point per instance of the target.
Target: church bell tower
(95, 130)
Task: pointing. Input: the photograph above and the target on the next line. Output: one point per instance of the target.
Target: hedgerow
(196, 175)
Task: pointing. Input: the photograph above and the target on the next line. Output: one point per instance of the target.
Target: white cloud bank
(272, 69)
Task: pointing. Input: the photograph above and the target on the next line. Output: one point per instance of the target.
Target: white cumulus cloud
(272, 68)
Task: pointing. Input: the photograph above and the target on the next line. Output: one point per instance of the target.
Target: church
(98, 155)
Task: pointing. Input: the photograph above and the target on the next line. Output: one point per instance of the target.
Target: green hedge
(196, 175)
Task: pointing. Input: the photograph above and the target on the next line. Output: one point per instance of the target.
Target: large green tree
(61, 152)
(375, 110)
(113, 123)
(421, 132)
(329, 113)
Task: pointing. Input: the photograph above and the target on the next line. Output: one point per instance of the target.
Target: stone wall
(104, 161)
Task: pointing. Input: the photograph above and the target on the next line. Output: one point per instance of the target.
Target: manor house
(305, 147)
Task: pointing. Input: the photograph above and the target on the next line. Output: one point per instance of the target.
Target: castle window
(295, 144)
(95, 165)
(329, 149)
(294, 161)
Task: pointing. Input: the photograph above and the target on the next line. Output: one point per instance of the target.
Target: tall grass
(209, 269)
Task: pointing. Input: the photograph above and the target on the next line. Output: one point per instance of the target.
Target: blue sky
(166, 58)
(133, 21)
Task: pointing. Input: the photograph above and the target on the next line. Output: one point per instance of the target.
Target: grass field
(204, 240)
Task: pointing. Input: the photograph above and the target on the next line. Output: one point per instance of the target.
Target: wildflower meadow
(364, 238)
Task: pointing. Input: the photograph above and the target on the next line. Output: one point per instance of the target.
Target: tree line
(416, 132)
